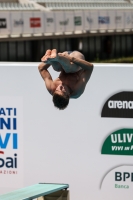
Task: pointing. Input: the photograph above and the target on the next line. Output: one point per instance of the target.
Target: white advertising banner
(87, 20)
(5, 23)
(17, 22)
(59, 22)
(94, 16)
(11, 142)
(28, 25)
(89, 145)
(69, 25)
(128, 19)
(49, 22)
(37, 22)
(78, 21)
(119, 19)
(112, 17)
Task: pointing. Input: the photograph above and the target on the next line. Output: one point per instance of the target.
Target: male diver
(74, 74)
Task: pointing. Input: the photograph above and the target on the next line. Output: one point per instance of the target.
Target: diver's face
(62, 89)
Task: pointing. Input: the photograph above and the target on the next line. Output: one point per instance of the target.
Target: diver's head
(61, 97)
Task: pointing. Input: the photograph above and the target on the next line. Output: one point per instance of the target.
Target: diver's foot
(53, 56)
(53, 53)
(46, 56)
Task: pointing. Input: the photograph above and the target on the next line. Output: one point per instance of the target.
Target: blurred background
(100, 29)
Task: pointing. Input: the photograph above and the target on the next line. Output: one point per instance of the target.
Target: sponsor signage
(11, 142)
(26, 28)
(132, 18)
(118, 19)
(68, 21)
(77, 20)
(8, 122)
(19, 22)
(64, 23)
(119, 142)
(103, 20)
(119, 105)
(60, 22)
(50, 20)
(89, 20)
(93, 17)
(119, 178)
(128, 20)
(3, 23)
(35, 22)
(112, 24)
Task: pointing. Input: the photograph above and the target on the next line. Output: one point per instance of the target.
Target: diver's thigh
(56, 66)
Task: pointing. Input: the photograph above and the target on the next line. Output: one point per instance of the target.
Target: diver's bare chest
(72, 78)
(71, 82)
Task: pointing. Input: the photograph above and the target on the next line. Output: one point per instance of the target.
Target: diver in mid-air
(71, 83)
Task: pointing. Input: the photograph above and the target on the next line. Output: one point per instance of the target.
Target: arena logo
(19, 22)
(64, 23)
(119, 105)
(120, 177)
(78, 21)
(103, 20)
(3, 23)
(119, 142)
(35, 22)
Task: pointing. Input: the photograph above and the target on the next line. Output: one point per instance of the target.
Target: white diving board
(34, 191)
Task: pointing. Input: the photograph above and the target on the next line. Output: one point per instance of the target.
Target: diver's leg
(56, 65)
(67, 65)
(64, 60)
